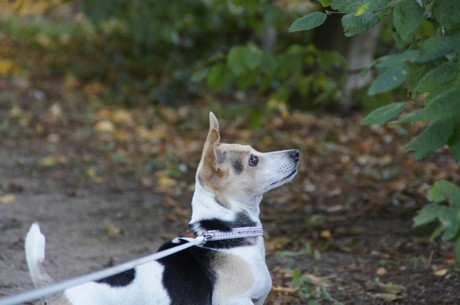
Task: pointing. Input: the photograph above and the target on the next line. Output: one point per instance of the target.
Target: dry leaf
(7, 199)
(52, 161)
(92, 173)
(121, 116)
(7, 66)
(284, 289)
(441, 272)
(56, 111)
(392, 288)
(104, 126)
(164, 182)
(326, 234)
(387, 297)
(381, 271)
(146, 181)
(113, 231)
(15, 112)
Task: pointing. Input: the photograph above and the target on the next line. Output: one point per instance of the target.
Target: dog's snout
(294, 154)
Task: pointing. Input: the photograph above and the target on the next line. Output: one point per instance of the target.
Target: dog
(230, 182)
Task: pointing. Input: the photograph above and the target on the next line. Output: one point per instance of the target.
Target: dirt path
(341, 233)
(87, 226)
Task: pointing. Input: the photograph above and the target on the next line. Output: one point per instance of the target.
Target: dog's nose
(294, 154)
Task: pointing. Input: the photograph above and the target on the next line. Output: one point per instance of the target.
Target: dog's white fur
(227, 187)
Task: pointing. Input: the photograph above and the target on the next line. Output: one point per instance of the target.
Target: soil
(339, 254)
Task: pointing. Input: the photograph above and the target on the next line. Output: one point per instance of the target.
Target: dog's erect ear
(209, 159)
(213, 123)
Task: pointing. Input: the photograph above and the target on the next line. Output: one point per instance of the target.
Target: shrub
(425, 62)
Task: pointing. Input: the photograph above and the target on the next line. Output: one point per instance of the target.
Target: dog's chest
(241, 272)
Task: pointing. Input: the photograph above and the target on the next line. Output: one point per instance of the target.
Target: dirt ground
(322, 246)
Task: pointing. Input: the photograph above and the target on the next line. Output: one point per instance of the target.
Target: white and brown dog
(230, 182)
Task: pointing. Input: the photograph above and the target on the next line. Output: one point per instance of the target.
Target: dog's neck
(209, 214)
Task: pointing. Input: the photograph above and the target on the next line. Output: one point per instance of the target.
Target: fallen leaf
(121, 135)
(158, 133)
(122, 116)
(146, 181)
(8, 66)
(15, 112)
(282, 289)
(381, 271)
(113, 231)
(104, 126)
(7, 199)
(440, 272)
(326, 234)
(52, 161)
(56, 111)
(165, 182)
(392, 288)
(387, 297)
(92, 173)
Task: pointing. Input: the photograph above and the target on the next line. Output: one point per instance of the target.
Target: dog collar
(242, 232)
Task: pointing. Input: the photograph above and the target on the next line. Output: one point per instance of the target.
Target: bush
(291, 70)
(425, 62)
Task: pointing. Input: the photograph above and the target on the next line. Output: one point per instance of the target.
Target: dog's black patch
(120, 279)
(189, 276)
(237, 166)
(241, 220)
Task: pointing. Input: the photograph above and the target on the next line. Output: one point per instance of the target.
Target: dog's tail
(35, 256)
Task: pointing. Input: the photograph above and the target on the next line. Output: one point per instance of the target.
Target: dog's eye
(253, 160)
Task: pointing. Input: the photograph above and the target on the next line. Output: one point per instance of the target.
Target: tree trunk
(358, 52)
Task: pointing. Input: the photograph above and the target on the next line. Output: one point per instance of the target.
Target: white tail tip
(35, 255)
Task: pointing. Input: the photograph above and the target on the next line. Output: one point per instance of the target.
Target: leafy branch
(426, 65)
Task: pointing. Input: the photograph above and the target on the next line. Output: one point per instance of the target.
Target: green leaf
(308, 22)
(218, 77)
(436, 232)
(437, 47)
(407, 17)
(451, 222)
(444, 105)
(427, 214)
(325, 3)
(447, 12)
(236, 60)
(253, 57)
(432, 138)
(444, 190)
(353, 25)
(390, 61)
(388, 80)
(457, 249)
(454, 144)
(414, 116)
(268, 63)
(199, 75)
(438, 78)
(354, 6)
(383, 114)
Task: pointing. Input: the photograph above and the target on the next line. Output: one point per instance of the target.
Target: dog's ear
(209, 158)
